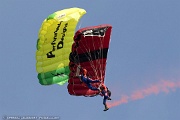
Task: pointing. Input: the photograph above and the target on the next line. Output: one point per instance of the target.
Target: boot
(106, 108)
(109, 98)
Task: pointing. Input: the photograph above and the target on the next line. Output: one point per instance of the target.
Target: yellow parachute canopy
(54, 45)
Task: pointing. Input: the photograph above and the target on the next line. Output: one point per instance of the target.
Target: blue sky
(144, 50)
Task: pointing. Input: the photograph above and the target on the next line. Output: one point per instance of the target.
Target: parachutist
(88, 80)
(106, 93)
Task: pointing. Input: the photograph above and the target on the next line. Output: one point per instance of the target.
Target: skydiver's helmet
(84, 71)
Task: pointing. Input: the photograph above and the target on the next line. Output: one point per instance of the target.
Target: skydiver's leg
(104, 102)
(92, 88)
(94, 81)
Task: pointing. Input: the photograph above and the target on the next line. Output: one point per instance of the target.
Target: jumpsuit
(88, 82)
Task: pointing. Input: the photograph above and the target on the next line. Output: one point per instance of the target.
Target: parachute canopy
(89, 51)
(54, 45)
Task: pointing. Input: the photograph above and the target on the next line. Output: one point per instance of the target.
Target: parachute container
(54, 45)
(89, 51)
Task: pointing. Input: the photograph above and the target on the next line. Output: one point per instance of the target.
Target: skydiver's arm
(93, 81)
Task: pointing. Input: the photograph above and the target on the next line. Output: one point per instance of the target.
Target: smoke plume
(162, 86)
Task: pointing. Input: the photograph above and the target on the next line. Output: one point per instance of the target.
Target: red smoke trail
(162, 86)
